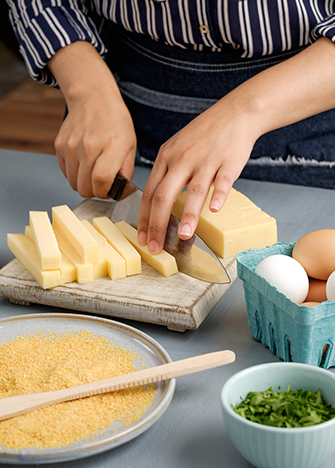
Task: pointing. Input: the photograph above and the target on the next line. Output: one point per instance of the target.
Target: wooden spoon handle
(21, 404)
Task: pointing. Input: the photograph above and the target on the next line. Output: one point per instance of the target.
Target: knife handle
(117, 187)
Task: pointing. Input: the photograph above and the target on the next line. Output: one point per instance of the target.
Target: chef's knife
(193, 256)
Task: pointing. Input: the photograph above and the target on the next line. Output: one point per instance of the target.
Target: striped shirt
(253, 28)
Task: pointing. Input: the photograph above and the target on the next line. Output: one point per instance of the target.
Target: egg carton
(294, 333)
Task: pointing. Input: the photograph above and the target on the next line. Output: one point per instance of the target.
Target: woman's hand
(212, 149)
(95, 141)
(216, 145)
(97, 138)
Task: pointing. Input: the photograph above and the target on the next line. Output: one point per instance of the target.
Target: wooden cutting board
(178, 302)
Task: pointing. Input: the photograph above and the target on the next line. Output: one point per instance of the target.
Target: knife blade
(193, 256)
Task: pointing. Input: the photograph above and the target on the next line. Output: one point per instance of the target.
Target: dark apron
(166, 87)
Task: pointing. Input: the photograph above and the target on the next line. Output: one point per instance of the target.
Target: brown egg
(316, 291)
(309, 304)
(326, 346)
(316, 253)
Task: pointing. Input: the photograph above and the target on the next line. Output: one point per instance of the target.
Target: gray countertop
(191, 432)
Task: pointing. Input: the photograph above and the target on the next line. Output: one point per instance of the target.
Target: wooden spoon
(22, 404)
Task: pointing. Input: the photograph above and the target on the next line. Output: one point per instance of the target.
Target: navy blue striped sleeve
(42, 28)
(325, 28)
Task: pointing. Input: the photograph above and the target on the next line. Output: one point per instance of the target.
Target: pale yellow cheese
(116, 265)
(70, 227)
(163, 262)
(67, 268)
(26, 252)
(100, 267)
(240, 225)
(84, 272)
(108, 229)
(45, 240)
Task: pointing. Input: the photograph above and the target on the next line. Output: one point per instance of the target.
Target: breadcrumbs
(48, 361)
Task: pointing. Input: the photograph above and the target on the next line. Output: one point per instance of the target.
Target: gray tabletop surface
(191, 433)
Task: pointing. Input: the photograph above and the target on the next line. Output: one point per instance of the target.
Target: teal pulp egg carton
(293, 332)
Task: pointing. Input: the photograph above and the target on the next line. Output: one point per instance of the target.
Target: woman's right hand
(97, 138)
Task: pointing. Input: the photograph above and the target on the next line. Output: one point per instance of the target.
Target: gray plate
(150, 354)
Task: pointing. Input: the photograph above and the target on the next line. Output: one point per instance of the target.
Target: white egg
(286, 274)
(330, 287)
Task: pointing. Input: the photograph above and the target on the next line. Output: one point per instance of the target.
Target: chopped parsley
(285, 409)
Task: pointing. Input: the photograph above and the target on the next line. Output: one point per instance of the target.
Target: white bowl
(272, 447)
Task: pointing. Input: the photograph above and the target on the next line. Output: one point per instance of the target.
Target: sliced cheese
(26, 252)
(84, 272)
(163, 262)
(67, 268)
(116, 265)
(240, 225)
(70, 227)
(100, 267)
(108, 229)
(45, 240)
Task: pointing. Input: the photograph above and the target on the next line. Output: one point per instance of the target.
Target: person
(205, 92)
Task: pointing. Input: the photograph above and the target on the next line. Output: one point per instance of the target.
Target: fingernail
(185, 230)
(215, 205)
(154, 247)
(142, 238)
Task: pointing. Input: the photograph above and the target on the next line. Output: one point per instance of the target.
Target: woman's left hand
(212, 149)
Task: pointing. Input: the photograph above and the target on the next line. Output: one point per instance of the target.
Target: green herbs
(285, 409)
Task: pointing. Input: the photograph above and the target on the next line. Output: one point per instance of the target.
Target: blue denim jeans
(166, 87)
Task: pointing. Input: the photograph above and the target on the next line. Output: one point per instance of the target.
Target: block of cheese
(45, 240)
(240, 225)
(67, 268)
(70, 227)
(163, 262)
(108, 229)
(116, 264)
(84, 272)
(26, 252)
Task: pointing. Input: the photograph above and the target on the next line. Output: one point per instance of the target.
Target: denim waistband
(189, 58)
(174, 79)
(136, 58)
